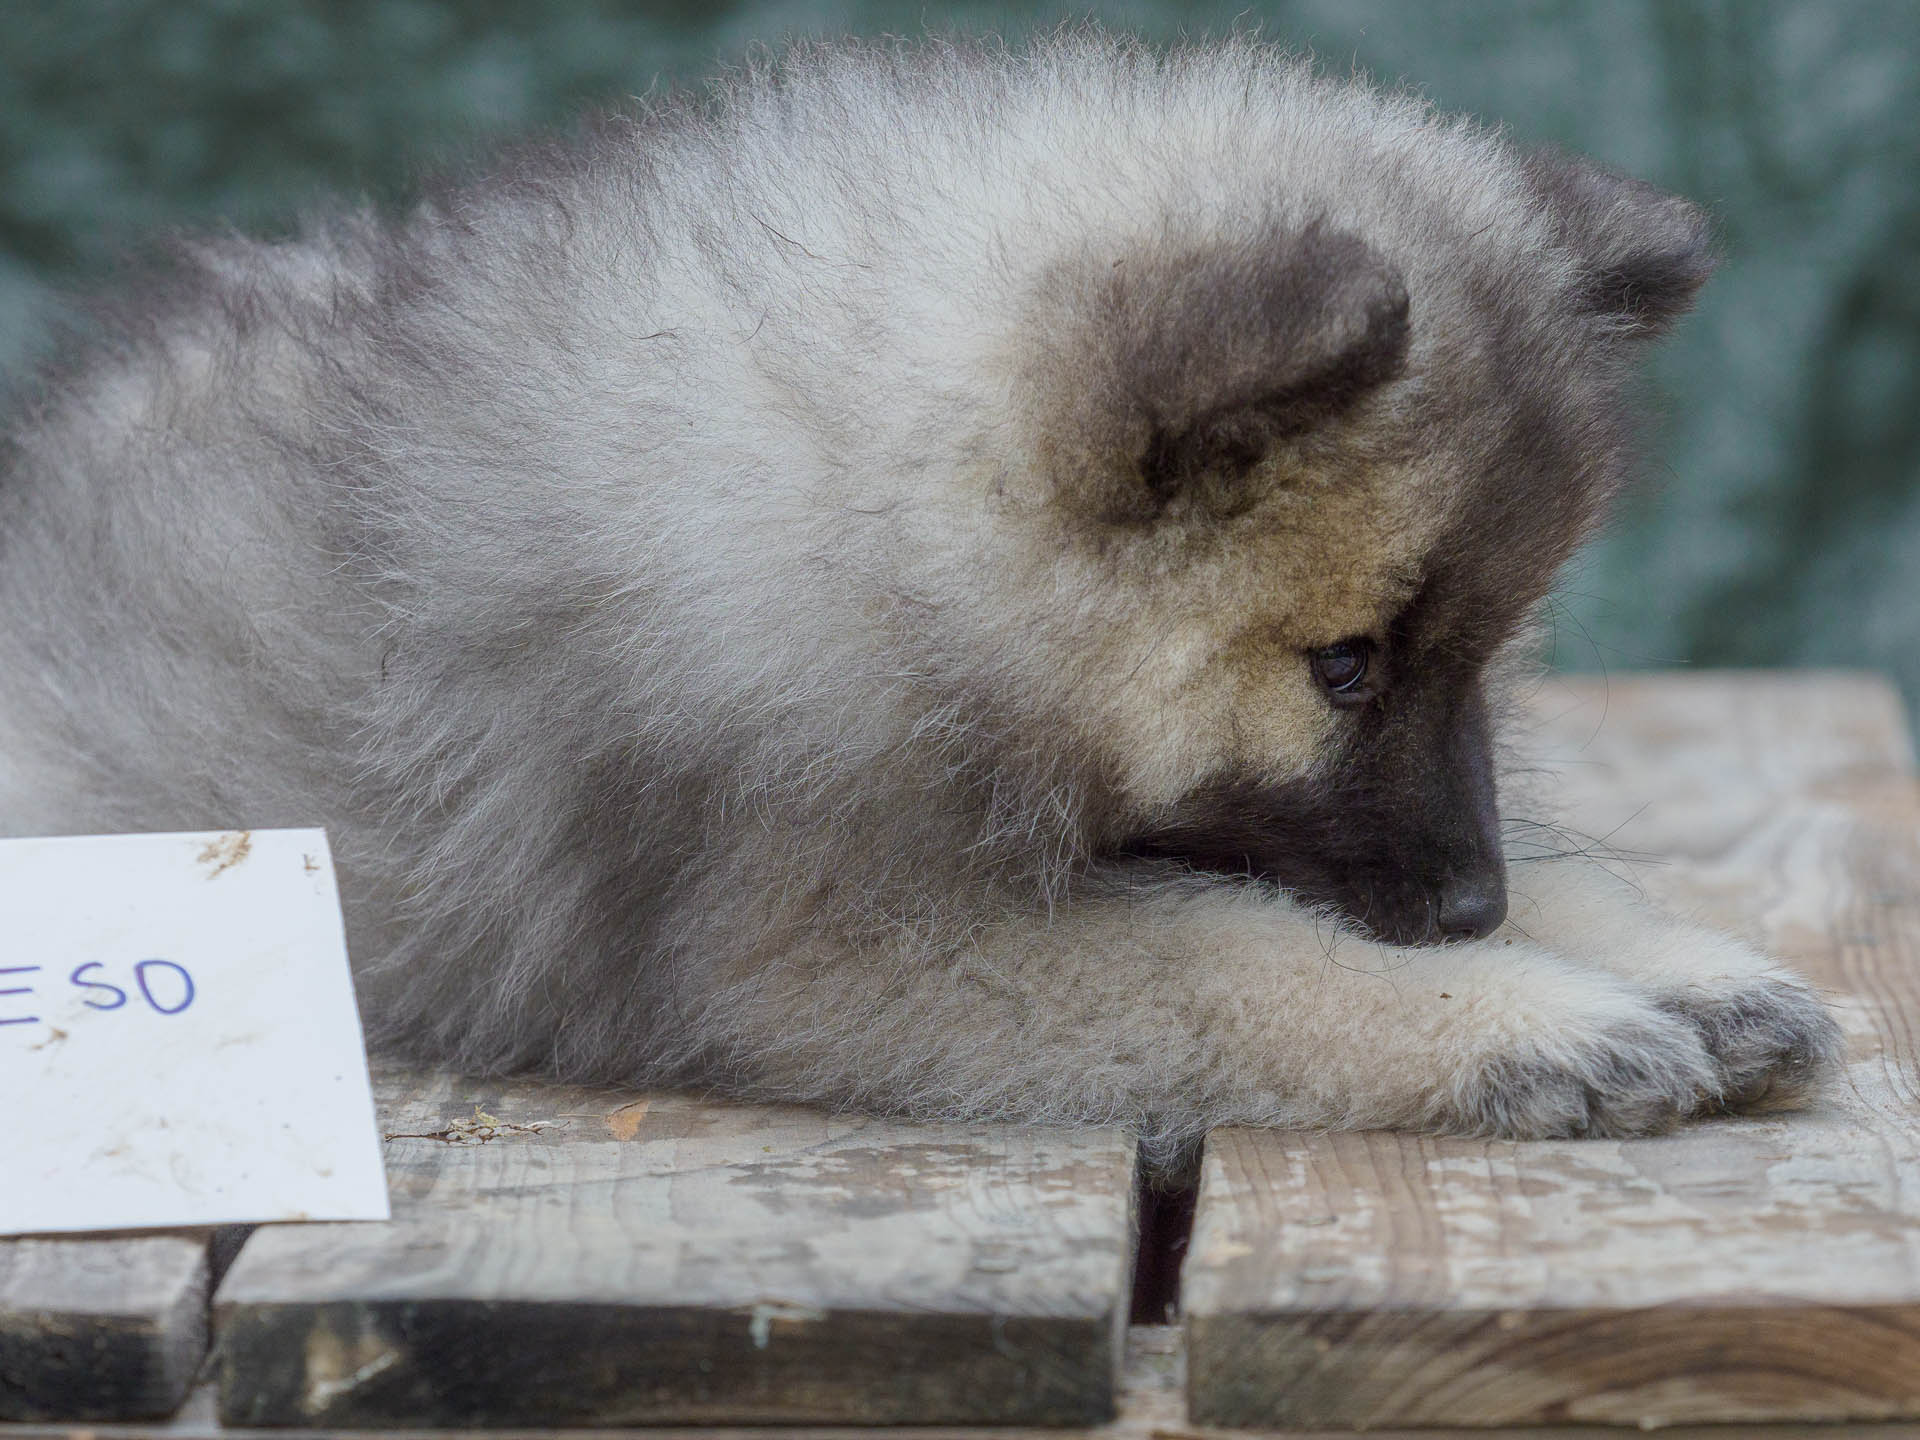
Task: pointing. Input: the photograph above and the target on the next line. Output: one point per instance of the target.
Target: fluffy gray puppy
(930, 578)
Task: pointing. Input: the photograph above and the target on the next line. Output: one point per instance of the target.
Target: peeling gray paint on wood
(561, 1256)
(1752, 1269)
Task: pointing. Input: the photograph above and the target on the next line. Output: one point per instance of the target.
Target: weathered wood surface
(613, 1259)
(1746, 1269)
(1152, 1406)
(101, 1327)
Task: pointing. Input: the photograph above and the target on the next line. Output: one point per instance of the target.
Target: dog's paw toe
(1774, 1041)
(1633, 1077)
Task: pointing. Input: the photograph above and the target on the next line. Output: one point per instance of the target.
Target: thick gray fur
(733, 586)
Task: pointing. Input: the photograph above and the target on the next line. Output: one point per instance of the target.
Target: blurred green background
(1781, 522)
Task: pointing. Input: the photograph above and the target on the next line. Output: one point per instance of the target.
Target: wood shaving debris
(475, 1130)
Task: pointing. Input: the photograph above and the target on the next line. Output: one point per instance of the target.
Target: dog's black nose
(1471, 907)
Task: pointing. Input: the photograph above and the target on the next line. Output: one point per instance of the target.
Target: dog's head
(1292, 487)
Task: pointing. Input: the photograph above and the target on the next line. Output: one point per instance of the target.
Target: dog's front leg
(1181, 1005)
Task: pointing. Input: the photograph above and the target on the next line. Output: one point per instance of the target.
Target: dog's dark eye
(1341, 668)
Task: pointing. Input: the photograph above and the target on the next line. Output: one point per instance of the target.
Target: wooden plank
(1750, 1269)
(611, 1259)
(1151, 1407)
(100, 1328)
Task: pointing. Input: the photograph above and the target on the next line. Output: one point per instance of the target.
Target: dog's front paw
(1635, 1075)
(1773, 1040)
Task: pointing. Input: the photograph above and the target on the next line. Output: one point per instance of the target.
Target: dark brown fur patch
(1194, 362)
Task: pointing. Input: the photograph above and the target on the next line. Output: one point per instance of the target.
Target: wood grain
(1740, 1270)
(608, 1258)
(100, 1327)
(1151, 1406)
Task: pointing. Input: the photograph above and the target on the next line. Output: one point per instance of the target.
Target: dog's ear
(1228, 350)
(1192, 363)
(1645, 253)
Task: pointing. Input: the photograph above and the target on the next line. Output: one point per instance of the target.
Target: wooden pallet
(568, 1258)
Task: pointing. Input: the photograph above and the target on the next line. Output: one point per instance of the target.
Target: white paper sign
(178, 1039)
